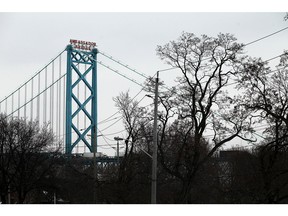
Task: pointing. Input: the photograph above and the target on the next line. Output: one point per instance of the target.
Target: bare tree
(203, 105)
(265, 95)
(134, 117)
(286, 17)
(25, 157)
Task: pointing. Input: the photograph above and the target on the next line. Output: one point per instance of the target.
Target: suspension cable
(38, 95)
(35, 74)
(124, 65)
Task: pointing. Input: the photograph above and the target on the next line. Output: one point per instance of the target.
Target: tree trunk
(185, 195)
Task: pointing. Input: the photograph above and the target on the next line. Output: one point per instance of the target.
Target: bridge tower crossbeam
(74, 106)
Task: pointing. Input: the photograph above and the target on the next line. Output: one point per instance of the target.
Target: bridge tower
(81, 70)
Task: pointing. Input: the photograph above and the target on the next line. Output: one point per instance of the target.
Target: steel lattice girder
(74, 59)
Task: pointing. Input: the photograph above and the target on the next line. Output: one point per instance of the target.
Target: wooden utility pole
(155, 147)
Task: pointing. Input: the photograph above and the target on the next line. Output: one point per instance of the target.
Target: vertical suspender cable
(52, 98)
(50, 107)
(12, 105)
(45, 97)
(31, 117)
(38, 100)
(59, 98)
(56, 109)
(64, 111)
(25, 100)
(6, 105)
(19, 92)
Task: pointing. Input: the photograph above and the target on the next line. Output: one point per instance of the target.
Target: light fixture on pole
(118, 139)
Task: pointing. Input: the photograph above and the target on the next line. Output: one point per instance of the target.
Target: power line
(135, 105)
(104, 138)
(131, 99)
(105, 121)
(247, 44)
(233, 83)
(126, 66)
(111, 124)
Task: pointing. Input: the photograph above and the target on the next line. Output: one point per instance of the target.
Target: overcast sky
(30, 40)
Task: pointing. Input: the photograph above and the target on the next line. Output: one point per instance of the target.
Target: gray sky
(30, 40)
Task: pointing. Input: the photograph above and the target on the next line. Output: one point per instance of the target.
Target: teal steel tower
(81, 69)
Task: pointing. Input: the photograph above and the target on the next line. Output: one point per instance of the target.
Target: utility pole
(9, 194)
(155, 147)
(54, 198)
(118, 139)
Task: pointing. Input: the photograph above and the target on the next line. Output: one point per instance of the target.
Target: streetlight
(118, 139)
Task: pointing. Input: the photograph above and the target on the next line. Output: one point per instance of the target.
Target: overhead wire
(135, 105)
(128, 67)
(126, 78)
(244, 45)
(103, 122)
(114, 71)
(262, 38)
(104, 137)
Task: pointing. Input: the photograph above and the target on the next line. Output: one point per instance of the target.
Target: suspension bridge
(63, 96)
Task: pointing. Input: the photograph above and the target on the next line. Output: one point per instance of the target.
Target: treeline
(221, 94)
(235, 176)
